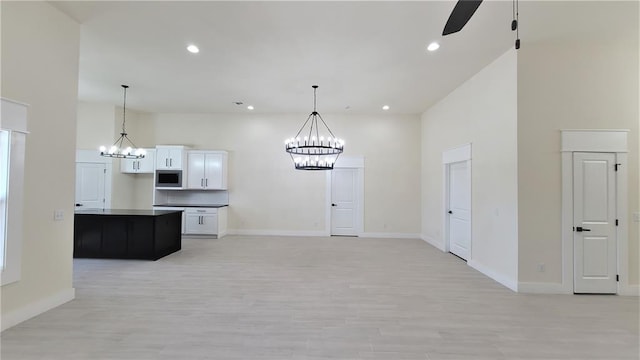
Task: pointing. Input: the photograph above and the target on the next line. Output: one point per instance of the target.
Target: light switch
(636, 216)
(58, 215)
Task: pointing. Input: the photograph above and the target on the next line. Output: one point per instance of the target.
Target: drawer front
(201, 211)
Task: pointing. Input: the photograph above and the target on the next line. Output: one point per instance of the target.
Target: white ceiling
(363, 55)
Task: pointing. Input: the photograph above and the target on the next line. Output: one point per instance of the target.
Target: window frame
(14, 120)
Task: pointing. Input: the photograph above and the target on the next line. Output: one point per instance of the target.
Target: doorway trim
(92, 156)
(603, 141)
(454, 155)
(347, 162)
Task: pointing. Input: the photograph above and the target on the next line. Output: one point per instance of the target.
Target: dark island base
(126, 234)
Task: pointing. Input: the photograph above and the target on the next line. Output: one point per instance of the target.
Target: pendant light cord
(315, 89)
(124, 109)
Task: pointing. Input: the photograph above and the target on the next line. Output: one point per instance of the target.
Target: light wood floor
(316, 298)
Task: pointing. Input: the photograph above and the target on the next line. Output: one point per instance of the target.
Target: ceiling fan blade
(460, 15)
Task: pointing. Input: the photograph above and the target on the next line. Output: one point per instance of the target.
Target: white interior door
(90, 185)
(344, 203)
(594, 209)
(460, 208)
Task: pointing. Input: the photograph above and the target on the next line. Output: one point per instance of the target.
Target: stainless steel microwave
(169, 179)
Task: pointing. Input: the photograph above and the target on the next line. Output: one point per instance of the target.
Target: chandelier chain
(124, 109)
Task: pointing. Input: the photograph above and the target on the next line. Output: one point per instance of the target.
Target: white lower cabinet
(205, 221)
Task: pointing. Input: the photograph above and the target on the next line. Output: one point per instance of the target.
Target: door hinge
(104, 171)
(617, 277)
(616, 166)
(616, 222)
(103, 200)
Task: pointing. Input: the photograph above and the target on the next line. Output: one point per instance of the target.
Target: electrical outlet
(58, 215)
(541, 267)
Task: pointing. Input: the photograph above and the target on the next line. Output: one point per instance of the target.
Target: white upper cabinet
(170, 157)
(146, 165)
(207, 170)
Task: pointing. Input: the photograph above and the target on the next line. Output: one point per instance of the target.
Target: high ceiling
(363, 55)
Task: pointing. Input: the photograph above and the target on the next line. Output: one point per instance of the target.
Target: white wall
(95, 125)
(40, 47)
(265, 191)
(570, 85)
(101, 124)
(483, 112)
(267, 195)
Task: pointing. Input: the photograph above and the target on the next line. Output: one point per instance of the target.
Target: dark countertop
(191, 205)
(125, 212)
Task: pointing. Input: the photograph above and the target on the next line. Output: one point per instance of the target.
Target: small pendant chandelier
(123, 148)
(317, 149)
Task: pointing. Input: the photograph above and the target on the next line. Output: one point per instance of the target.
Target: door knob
(334, 204)
(450, 212)
(581, 229)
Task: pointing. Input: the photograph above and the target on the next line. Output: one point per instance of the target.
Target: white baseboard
(433, 242)
(502, 279)
(34, 309)
(389, 235)
(275, 232)
(542, 288)
(630, 290)
(319, 233)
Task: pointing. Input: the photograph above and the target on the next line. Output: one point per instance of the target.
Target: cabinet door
(175, 159)
(192, 223)
(162, 158)
(127, 165)
(195, 170)
(210, 224)
(198, 224)
(213, 171)
(201, 221)
(146, 165)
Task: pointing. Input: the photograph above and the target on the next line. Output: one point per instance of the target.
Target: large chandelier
(123, 148)
(317, 149)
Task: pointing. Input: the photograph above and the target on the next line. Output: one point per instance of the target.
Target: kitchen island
(126, 234)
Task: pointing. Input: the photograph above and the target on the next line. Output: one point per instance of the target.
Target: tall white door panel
(594, 215)
(344, 203)
(195, 171)
(213, 171)
(90, 182)
(460, 208)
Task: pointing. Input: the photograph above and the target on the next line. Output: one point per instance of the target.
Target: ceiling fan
(464, 10)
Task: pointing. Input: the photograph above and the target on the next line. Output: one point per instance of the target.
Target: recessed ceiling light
(250, 107)
(386, 107)
(433, 46)
(193, 49)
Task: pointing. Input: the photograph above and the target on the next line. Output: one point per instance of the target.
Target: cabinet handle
(171, 162)
(206, 182)
(166, 162)
(201, 183)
